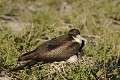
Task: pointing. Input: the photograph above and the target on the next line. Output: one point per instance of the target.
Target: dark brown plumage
(57, 49)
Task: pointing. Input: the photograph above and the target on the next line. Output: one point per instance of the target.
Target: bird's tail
(26, 56)
(30, 63)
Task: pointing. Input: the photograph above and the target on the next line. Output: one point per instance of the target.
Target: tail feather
(30, 63)
(26, 56)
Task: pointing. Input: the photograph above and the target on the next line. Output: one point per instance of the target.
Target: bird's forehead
(76, 32)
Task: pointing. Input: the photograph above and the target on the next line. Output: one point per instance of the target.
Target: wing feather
(44, 48)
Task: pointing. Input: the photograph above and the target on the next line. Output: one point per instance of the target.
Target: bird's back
(57, 49)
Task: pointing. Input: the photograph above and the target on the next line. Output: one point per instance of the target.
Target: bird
(62, 48)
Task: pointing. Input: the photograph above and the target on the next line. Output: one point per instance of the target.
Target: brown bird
(57, 49)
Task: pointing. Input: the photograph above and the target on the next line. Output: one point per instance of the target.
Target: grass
(98, 22)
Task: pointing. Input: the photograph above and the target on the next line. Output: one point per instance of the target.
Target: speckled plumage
(57, 49)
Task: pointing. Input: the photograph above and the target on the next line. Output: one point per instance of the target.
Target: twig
(59, 70)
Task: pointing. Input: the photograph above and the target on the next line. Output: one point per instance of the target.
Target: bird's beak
(79, 39)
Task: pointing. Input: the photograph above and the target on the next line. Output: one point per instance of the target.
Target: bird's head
(75, 34)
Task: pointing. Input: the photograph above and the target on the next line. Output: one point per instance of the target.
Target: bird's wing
(44, 48)
(63, 52)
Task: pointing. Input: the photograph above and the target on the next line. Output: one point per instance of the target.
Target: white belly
(72, 59)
